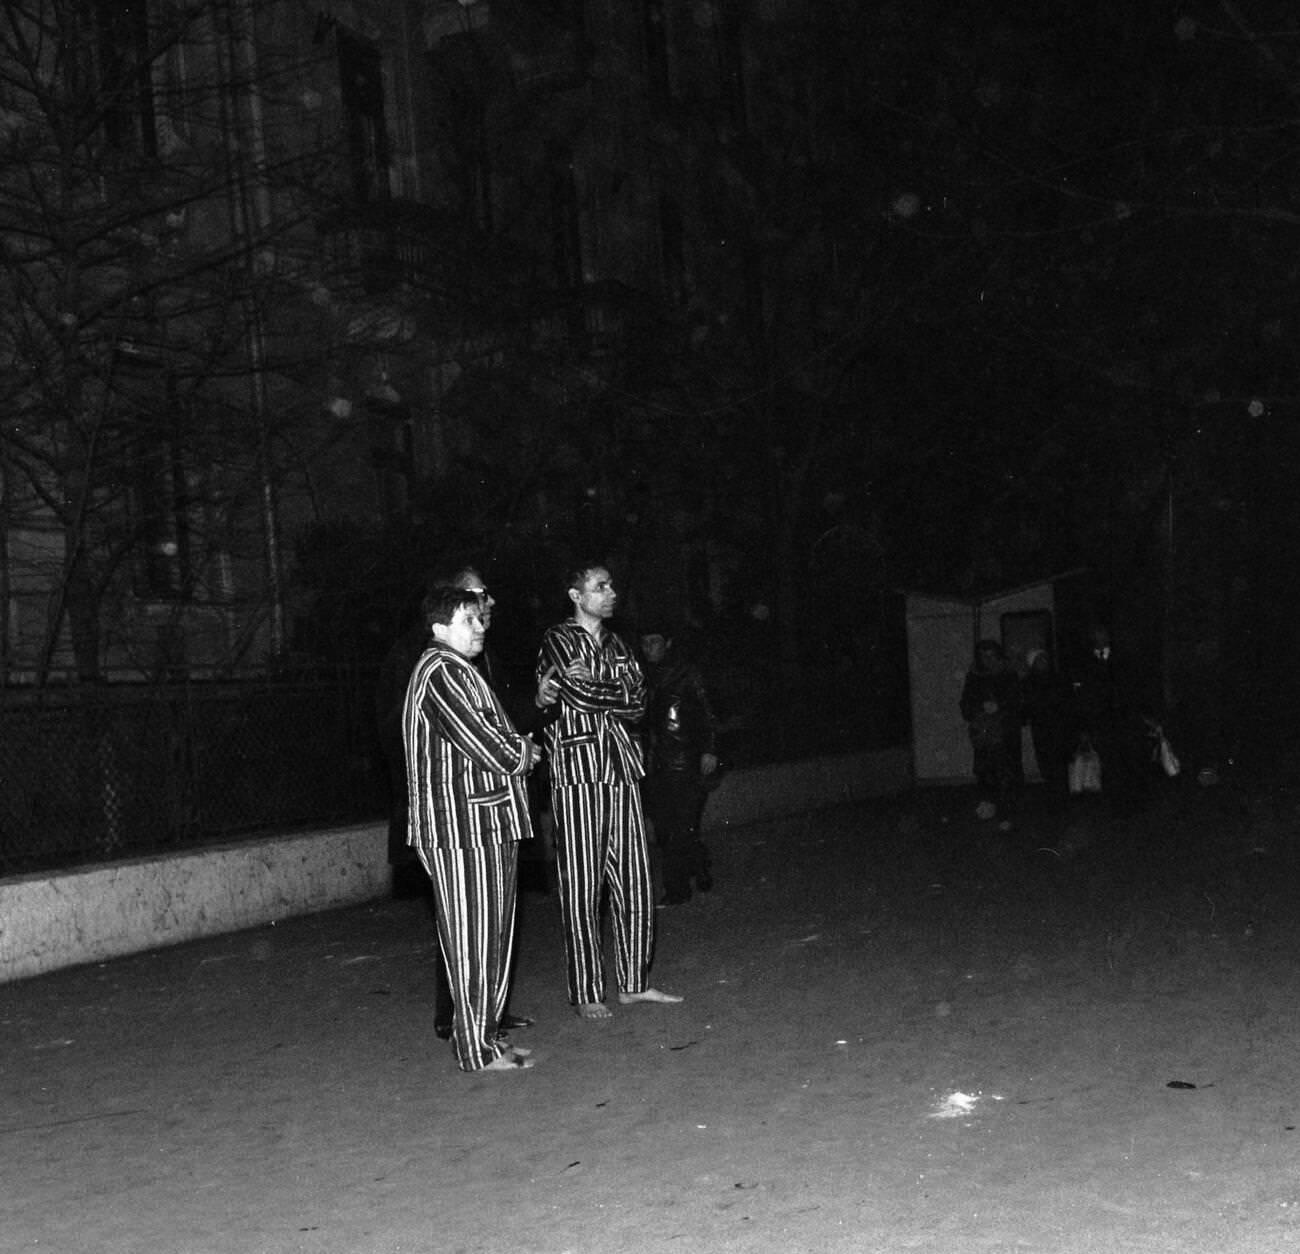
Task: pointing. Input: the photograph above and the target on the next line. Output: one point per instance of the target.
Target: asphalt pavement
(856, 977)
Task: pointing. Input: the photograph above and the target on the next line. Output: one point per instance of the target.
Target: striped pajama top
(465, 762)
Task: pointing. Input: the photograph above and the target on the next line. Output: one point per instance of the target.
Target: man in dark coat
(409, 878)
(680, 735)
(1049, 712)
(991, 705)
(1108, 701)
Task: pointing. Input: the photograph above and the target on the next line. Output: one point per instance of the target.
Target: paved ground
(904, 1031)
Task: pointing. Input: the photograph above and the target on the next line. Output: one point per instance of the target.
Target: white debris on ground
(958, 1105)
(955, 1105)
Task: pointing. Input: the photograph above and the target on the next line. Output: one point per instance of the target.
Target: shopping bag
(1166, 756)
(1085, 770)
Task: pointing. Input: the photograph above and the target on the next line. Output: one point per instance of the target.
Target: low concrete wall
(770, 792)
(98, 912)
(93, 913)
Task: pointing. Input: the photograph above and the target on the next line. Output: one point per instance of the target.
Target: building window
(657, 61)
(361, 78)
(463, 82)
(161, 501)
(566, 227)
(124, 74)
(672, 248)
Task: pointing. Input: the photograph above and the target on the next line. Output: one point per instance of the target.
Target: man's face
(464, 633)
(472, 581)
(654, 646)
(596, 597)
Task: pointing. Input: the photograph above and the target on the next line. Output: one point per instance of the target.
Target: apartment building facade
(273, 264)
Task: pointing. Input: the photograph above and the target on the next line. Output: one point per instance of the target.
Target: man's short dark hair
(441, 603)
(577, 574)
(451, 575)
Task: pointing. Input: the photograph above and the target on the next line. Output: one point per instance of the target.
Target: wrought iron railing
(118, 773)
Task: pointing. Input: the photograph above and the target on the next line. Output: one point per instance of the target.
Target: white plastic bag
(1166, 756)
(1085, 770)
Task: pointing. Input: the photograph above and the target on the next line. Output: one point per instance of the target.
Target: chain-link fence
(112, 774)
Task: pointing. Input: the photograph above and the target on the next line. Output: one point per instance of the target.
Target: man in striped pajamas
(466, 766)
(529, 712)
(595, 764)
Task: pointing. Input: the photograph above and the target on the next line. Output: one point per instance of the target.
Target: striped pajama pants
(600, 843)
(474, 899)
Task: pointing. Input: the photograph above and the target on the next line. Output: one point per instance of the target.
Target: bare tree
(160, 166)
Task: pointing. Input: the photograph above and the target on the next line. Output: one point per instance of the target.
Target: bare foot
(509, 1062)
(593, 1010)
(649, 994)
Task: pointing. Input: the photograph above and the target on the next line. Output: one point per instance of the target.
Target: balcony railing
(375, 248)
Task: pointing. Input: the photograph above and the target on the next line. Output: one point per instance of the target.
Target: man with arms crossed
(595, 763)
(466, 766)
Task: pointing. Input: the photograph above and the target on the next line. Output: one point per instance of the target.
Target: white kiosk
(942, 629)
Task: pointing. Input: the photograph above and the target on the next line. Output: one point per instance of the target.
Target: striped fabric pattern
(465, 763)
(593, 740)
(596, 763)
(465, 767)
(602, 843)
(474, 892)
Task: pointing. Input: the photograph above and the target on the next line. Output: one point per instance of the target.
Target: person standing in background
(1048, 706)
(990, 704)
(1111, 714)
(680, 732)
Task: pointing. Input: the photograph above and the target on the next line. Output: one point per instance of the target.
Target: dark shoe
(509, 1023)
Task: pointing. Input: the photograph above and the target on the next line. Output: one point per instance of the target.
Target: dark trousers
(443, 1008)
(999, 771)
(1125, 766)
(675, 802)
(409, 877)
(1053, 750)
